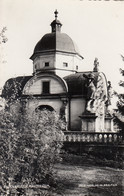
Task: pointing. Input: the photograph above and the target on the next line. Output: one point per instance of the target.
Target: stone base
(108, 123)
(88, 122)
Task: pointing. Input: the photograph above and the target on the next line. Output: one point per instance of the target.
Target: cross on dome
(56, 14)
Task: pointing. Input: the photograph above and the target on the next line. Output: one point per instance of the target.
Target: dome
(14, 85)
(56, 22)
(53, 42)
(77, 83)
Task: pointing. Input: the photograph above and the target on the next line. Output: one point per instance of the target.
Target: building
(82, 99)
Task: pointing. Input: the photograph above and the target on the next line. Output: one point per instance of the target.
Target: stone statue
(63, 114)
(108, 102)
(110, 93)
(90, 91)
(96, 65)
(96, 95)
(90, 87)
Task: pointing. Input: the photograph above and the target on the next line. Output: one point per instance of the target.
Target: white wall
(39, 62)
(34, 86)
(77, 108)
(72, 60)
(56, 61)
(54, 103)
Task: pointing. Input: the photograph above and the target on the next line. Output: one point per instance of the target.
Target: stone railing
(92, 137)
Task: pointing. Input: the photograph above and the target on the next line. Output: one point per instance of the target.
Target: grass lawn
(89, 180)
(89, 176)
(81, 176)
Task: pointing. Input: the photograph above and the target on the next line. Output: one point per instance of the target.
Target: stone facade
(81, 98)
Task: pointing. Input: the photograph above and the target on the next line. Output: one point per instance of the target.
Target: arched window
(44, 107)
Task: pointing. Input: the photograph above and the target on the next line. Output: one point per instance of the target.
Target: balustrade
(92, 137)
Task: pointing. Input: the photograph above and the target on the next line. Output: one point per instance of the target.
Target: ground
(81, 176)
(90, 180)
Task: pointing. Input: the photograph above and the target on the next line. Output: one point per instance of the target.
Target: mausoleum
(82, 99)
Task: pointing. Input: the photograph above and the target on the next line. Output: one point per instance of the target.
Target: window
(46, 87)
(76, 67)
(46, 64)
(65, 64)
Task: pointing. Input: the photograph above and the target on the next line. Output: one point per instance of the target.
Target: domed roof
(14, 86)
(55, 42)
(56, 21)
(77, 83)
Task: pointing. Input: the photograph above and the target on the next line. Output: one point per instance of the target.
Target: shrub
(30, 146)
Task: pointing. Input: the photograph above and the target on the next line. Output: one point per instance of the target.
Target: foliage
(3, 38)
(119, 114)
(39, 145)
(12, 89)
(8, 139)
(29, 145)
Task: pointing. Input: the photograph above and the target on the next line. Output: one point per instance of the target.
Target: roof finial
(56, 13)
(96, 65)
(56, 24)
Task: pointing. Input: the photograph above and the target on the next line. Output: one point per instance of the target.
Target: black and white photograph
(61, 98)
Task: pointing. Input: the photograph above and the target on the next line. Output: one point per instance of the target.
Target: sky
(97, 27)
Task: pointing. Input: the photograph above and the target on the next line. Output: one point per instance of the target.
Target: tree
(8, 139)
(3, 40)
(29, 143)
(119, 114)
(38, 146)
(30, 146)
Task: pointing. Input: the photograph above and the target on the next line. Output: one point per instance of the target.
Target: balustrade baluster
(110, 138)
(115, 137)
(100, 137)
(105, 138)
(91, 137)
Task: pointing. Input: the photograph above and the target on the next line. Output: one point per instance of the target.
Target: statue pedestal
(108, 123)
(88, 122)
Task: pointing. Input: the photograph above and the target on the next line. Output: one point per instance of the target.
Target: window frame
(65, 64)
(46, 64)
(45, 90)
(77, 67)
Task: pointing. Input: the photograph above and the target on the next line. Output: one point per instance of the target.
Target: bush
(30, 146)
